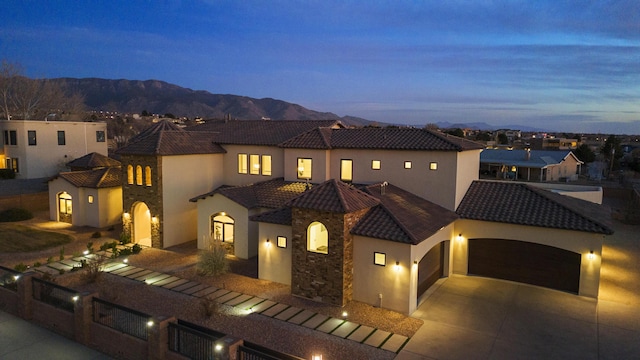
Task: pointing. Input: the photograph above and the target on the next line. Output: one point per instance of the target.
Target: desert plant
(108, 245)
(213, 261)
(49, 259)
(61, 253)
(15, 214)
(209, 306)
(93, 268)
(21, 267)
(90, 247)
(96, 235)
(136, 248)
(37, 264)
(125, 238)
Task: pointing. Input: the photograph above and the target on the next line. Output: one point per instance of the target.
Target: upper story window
(100, 137)
(346, 170)
(147, 176)
(254, 164)
(266, 165)
(31, 136)
(433, 165)
(10, 137)
(317, 238)
(304, 168)
(138, 175)
(130, 174)
(61, 138)
(375, 164)
(407, 164)
(242, 163)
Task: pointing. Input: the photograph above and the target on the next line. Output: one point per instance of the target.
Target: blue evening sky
(559, 65)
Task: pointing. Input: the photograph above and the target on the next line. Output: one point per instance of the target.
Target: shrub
(21, 267)
(49, 259)
(37, 264)
(209, 306)
(15, 214)
(125, 238)
(96, 235)
(108, 245)
(61, 253)
(93, 268)
(7, 174)
(213, 262)
(136, 248)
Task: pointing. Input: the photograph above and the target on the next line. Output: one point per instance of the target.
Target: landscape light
(344, 315)
(150, 323)
(316, 357)
(75, 298)
(218, 347)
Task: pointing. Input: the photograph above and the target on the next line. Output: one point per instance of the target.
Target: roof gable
(334, 196)
(93, 160)
(96, 179)
(172, 142)
(267, 194)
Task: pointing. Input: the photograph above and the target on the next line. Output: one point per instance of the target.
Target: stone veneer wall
(150, 195)
(325, 278)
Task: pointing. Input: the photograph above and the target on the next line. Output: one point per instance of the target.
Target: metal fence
(54, 295)
(250, 351)
(128, 321)
(9, 278)
(193, 341)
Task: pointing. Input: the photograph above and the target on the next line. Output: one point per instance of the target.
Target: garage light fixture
(459, 237)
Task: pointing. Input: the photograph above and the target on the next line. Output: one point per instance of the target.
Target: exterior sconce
(396, 267)
(218, 347)
(150, 323)
(154, 219)
(268, 242)
(591, 255)
(415, 262)
(16, 277)
(459, 238)
(75, 298)
(126, 215)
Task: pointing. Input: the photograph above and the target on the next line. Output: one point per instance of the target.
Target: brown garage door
(430, 268)
(525, 262)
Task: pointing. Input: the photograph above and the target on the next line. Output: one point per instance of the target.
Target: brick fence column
(83, 317)
(229, 350)
(25, 295)
(159, 337)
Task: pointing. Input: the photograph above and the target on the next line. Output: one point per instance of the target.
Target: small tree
(213, 261)
(585, 154)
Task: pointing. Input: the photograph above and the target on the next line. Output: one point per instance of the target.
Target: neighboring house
(40, 149)
(90, 194)
(530, 165)
(369, 214)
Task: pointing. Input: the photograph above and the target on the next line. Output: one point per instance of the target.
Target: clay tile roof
(96, 179)
(382, 138)
(334, 196)
(402, 216)
(267, 194)
(172, 142)
(160, 126)
(521, 204)
(93, 160)
(280, 216)
(259, 132)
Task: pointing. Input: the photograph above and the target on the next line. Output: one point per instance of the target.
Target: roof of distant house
(521, 204)
(93, 160)
(525, 158)
(99, 178)
(380, 138)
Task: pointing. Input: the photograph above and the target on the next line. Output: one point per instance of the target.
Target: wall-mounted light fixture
(459, 237)
(316, 357)
(591, 255)
(268, 242)
(75, 298)
(126, 215)
(396, 267)
(415, 262)
(150, 323)
(218, 347)
(154, 219)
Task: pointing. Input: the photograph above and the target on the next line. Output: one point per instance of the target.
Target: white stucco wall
(109, 204)
(320, 164)
(467, 170)
(47, 158)
(578, 242)
(184, 177)
(217, 204)
(274, 263)
(106, 209)
(230, 164)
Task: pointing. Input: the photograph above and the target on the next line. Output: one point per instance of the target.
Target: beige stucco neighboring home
(90, 195)
(40, 149)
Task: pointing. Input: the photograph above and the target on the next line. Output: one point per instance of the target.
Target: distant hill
(159, 97)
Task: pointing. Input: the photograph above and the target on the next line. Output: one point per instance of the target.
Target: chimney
(383, 188)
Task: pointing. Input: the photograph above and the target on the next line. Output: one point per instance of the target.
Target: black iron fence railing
(250, 351)
(193, 341)
(128, 321)
(54, 294)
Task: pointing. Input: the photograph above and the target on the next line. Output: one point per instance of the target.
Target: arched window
(130, 174)
(138, 175)
(147, 176)
(317, 238)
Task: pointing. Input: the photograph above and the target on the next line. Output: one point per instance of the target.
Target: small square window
(61, 138)
(375, 164)
(407, 164)
(90, 199)
(380, 259)
(433, 166)
(282, 242)
(100, 136)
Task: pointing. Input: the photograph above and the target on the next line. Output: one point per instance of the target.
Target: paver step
(139, 275)
(265, 305)
(238, 300)
(175, 284)
(394, 343)
(224, 298)
(185, 286)
(330, 325)
(361, 333)
(377, 338)
(301, 317)
(250, 304)
(153, 280)
(166, 281)
(204, 292)
(315, 321)
(148, 276)
(195, 289)
(288, 313)
(345, 329)
(217, 294)
(121, 270)
(274, 310)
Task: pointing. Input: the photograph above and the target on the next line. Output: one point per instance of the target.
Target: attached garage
(525, 262)
(430, 268)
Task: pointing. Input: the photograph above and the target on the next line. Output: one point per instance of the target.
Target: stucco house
(531, 165)
(90, 194)
(39, 149)
(369, 214)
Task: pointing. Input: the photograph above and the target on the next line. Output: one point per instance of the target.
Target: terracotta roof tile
(517, 203)
(93, 160)
(96, 179)
(172, 142)
(381, 138)
(267, 194)
(334, 196)
(280, 216)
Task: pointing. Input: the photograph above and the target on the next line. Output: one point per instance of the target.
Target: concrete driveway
(480, 318)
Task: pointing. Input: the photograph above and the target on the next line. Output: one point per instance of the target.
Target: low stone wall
(32, 202)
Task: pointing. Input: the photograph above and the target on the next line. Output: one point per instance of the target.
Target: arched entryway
(141, 224)
(431, 268)
(222, 228)
(65, 207)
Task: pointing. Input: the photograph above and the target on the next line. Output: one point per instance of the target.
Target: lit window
(304, 168)
(433, 166)
(380, 259)
(90, 199)
(317, 238)
(61, 138)
(65, 203)
(100, 136)
(346, 170)
(266, 165)
(282, 242)
(375, 164)
(147, 176)
(31, 135)
(242, 163)
(130, 174)
(138, 175)
(254, 164)
(407, 164)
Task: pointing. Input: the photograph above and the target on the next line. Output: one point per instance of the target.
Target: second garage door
(525, 262)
